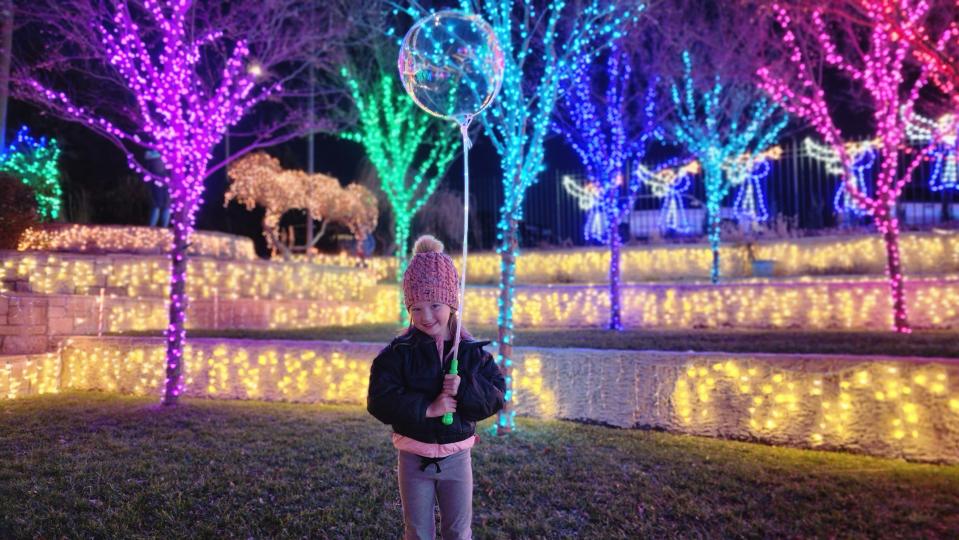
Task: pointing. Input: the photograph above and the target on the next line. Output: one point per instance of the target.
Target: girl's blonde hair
(450, 325)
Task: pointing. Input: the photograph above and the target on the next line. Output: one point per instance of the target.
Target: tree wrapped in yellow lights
(259, 180)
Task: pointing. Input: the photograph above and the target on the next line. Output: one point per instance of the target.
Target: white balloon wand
(454, 363)
(442, 55)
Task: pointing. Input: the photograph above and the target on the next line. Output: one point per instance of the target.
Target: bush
(18, 210)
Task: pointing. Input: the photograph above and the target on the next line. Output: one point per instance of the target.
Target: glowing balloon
(451, 65)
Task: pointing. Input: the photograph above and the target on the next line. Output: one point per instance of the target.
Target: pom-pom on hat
(430, 275)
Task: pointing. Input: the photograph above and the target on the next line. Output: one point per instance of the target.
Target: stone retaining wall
(149, 276)
(27, 321)
(890, 407)
(32, 324)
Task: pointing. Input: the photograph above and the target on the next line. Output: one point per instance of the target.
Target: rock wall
(884, 406)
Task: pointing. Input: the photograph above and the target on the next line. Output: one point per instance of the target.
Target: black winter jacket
(406, 377)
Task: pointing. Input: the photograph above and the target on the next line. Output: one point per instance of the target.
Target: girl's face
(431, 318)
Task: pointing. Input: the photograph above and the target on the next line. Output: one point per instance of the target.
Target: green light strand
(34, 162)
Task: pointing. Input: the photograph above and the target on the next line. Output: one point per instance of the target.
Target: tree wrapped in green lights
(409, 149)
(34, 162)
(720, 125)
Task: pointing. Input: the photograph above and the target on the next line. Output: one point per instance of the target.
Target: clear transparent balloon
(451, 65)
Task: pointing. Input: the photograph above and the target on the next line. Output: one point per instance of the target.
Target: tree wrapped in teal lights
(720, 124)
(409, 149)
(541, 41)
(540, 44)
(34, 162)
(600, 127)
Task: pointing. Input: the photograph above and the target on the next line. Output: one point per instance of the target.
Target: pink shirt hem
(429, 450)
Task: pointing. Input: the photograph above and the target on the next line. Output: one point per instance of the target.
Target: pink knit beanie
(430, 275)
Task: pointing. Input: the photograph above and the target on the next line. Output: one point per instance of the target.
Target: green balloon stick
(448, 417)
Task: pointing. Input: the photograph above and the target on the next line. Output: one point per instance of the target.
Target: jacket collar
(417, 337)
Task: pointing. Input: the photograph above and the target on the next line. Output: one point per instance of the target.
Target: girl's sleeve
(481, 392)
(388, 399)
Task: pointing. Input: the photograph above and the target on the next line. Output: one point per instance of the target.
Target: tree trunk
(6, 41)
(176, 330)
(714, 182)
(508, 250)
(402, 236)
(615, 243)
(889, 227)
(712, 217)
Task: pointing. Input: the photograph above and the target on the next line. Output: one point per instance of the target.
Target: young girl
(411, 388)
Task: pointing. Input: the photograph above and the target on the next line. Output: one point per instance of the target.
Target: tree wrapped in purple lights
(596, 124)
(862, 41)
(172, 77)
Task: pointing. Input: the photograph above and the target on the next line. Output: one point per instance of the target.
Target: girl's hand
(451, 384)
(441, 405)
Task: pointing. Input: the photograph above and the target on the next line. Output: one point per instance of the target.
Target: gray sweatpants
(452, 487)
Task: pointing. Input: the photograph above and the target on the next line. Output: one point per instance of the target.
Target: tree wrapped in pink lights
(866, 47)
(172, 77)
(933, 43)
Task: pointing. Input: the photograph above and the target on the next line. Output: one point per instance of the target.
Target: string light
(395, 132)
(879, 66)
(883, 406)
(863, 155)
(942, 135)
(34, 162)
(669, 182)
(749, 172)
(81, 238)
(717, 135)
(258, 180)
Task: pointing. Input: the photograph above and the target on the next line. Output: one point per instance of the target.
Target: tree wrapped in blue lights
(35, 163)
(597, 126)
(541, 44)
(719, 125)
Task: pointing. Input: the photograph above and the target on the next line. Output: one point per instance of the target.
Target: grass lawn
(938, 343)
(98, 465)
